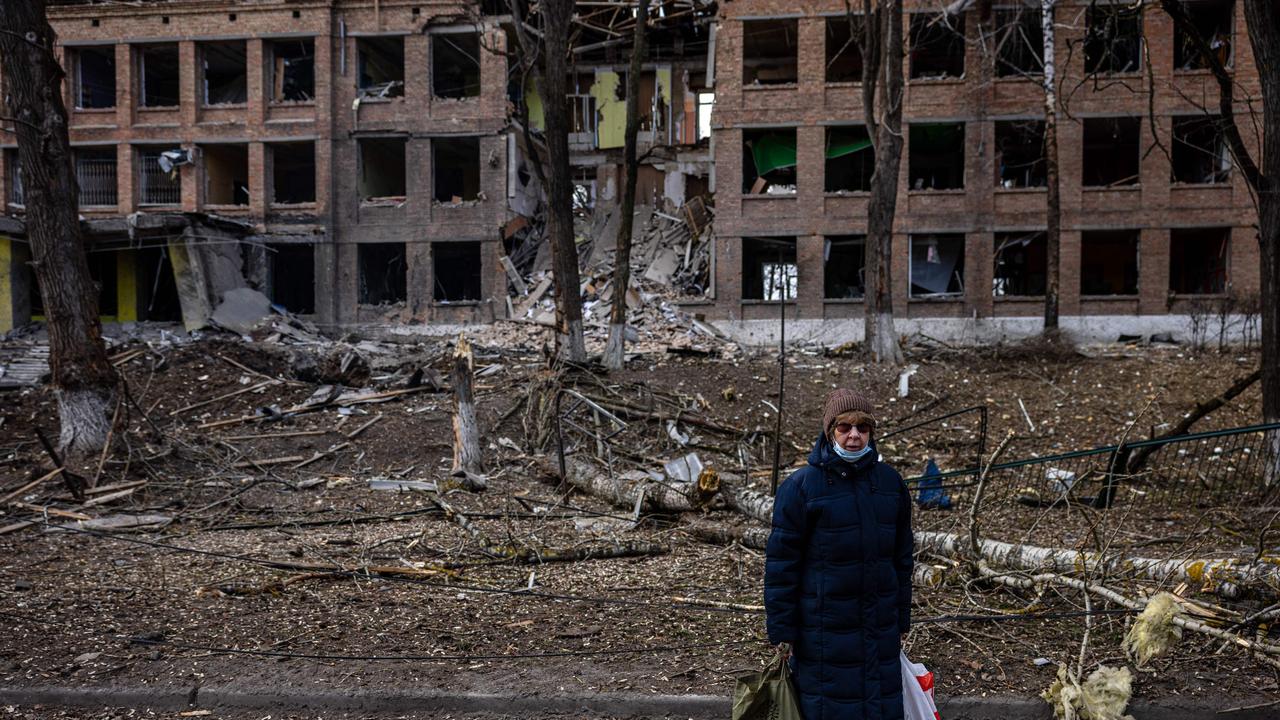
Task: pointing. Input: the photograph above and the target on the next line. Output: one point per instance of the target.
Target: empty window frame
(937, 265)
(1198, 260)
(383, 273)
(844, 267)
(291, 277)
(850, 159)
(456, 267)
(226, 173)
(158, 75)
(14, 177)
(769, 161)
(96, 175)
(293, 172)
(1019, 42)
(1020, 154)
(770, 52)
(1020, 264)
(706, 103)
(95, 76)
(455, 169)
(1113, 38)
(225, 79)
(1111, 151)
(380, 62)
(769, 269)
(1200, 153)
(155, 186)
(381, 169)
(1109, 262)
(292, 70)
(455, 65)
(1213, 20)
(844, 54)
(936, 159)
(937, 46)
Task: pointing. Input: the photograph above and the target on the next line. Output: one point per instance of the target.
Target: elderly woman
(837, 582)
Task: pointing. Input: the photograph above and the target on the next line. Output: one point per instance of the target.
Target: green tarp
(774, 152)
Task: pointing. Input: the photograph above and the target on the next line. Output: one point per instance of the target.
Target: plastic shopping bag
(766, 695)
(917, 691)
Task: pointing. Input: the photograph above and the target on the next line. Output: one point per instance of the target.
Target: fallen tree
(637, 490)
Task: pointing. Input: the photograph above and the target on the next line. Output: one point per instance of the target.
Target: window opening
(850, 159)
(769, 161)
(937, 46)
(1200, 151)
(1019, 42)
(382, 170)
(937, 265)
(1113, 38)
(1021, 264)
(226, 174)
(1213, 19)
(158, 290)
(769, 52)
(1111, 151)
(383, 273)
(293, 172)
(159, 75)
(936, 159)
(293, 70)
(1109, 262)
(95, 79)
(155, 185)
(844, 54)
(292, 277)
(455, 169)
(1020, 154)
(16, 195)
(455, 65)
(769, 269)
(381, 66)
(1198, 260)
(706, 103)
(844, 267)
(456, 269)
(225, 79)
(96, 175)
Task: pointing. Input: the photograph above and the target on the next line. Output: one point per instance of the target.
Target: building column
(809, 275)
(1153, 271)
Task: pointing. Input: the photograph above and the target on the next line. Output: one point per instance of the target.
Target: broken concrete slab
(241, 310)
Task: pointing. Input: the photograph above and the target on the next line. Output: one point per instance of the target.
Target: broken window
(16, 195)
(157, 186)
(844, 267)
(95, 76)
(381, 66)
(1109, 262)
(96, 175)
(456, 269)
(1019, 42)
(381, 169)
(293, 70)
(936, 159)
(1111, 151)
(1020, 154)
(224, 72)
(455, 175)
(455, 65)
(158, 75)
(291, 277)
(769, 161)
(383, 273)
(769, 268)
(1113, 38)
(937, 265)
(769, 52)
(1198, 260)
(706, 102)
(293, 172)
(226, 174)
(844, 55)
(937, 46)
(1200, 153)
(850, 159)
(1021, 262)
(1213, 20)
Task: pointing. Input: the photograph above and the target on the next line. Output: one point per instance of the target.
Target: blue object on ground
(931, 493)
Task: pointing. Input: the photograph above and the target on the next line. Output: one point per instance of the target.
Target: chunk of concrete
(241, 310)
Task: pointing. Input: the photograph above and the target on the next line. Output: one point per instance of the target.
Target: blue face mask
(851, 456)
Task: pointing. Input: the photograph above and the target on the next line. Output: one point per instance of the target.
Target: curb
(623, 705)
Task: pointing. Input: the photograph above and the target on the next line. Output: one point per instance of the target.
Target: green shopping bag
(766, 695)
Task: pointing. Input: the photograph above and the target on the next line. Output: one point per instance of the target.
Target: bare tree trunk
(1053, 199)
(882, 64)
(556, 18)
(466, 430)
(83, 380)
(614, 349)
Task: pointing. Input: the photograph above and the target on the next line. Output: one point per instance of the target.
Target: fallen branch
(1139, 459)
(630, 490)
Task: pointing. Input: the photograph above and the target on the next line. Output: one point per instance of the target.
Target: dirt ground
(194, 602)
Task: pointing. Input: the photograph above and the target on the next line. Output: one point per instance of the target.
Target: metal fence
(97, 180)
(155, 186)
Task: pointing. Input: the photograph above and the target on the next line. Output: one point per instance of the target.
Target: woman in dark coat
(837, 583)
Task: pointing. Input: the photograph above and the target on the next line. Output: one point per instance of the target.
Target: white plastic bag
(917, 691)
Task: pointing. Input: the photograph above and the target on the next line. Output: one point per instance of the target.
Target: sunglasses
(863, 428)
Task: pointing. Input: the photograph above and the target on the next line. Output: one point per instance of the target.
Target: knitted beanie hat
(840, 401)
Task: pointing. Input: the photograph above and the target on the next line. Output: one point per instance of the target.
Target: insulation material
(1103, 696)
(533, 101)
(611, 130)
(1153, 634)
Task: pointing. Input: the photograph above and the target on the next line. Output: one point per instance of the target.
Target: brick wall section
(981, 209)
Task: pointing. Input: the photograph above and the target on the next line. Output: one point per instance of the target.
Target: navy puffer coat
(837, 584)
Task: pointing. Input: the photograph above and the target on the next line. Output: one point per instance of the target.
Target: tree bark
(616, 345)
(625, 491)
(83, 380)
(882, 77)
(1053, 199)
(557, 15)
(466, 430)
